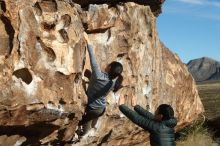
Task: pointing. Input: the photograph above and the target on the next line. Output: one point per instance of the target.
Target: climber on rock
(100, 84)
(160, 126)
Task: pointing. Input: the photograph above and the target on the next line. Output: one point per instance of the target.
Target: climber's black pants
(90, 118)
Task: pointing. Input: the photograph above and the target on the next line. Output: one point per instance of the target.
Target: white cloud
(207, 9)
(216, 4)
(192, 1)
(209, 16)
(212, 3)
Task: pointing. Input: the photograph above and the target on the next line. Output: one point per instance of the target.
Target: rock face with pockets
(43, 57)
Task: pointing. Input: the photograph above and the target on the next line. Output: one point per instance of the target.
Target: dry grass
(196, 135)
(210, 95)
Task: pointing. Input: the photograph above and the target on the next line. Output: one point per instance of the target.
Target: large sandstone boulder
(42, 83)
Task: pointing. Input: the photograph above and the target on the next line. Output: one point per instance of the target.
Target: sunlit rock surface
(42, 62)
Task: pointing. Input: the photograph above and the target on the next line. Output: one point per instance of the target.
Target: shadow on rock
(33, 133)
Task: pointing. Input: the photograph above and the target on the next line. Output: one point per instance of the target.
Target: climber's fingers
(133, 101)
(86, 37)
(122, 99)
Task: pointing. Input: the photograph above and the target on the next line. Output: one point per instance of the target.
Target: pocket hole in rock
(78, 77)
(61, 101)
(64, 35)
(50, 102)
(58, 73)
(24, 74)
(121, 55)
(48, 6)
(10, 31)
(67, 20)
(37, 9)
(47, 26)
(49, 51)
(2, 6)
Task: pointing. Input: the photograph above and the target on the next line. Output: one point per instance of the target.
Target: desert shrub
(196, 135)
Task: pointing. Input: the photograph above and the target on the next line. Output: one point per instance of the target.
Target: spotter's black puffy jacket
(161, 133)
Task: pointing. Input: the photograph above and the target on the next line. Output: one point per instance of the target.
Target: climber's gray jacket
(99, 84)
(161, 133)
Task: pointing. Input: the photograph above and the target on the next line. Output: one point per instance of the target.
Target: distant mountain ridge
(204, 69)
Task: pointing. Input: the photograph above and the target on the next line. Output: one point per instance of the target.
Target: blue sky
(191, 28)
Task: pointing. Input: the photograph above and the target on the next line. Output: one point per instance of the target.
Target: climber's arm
(94, 66)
